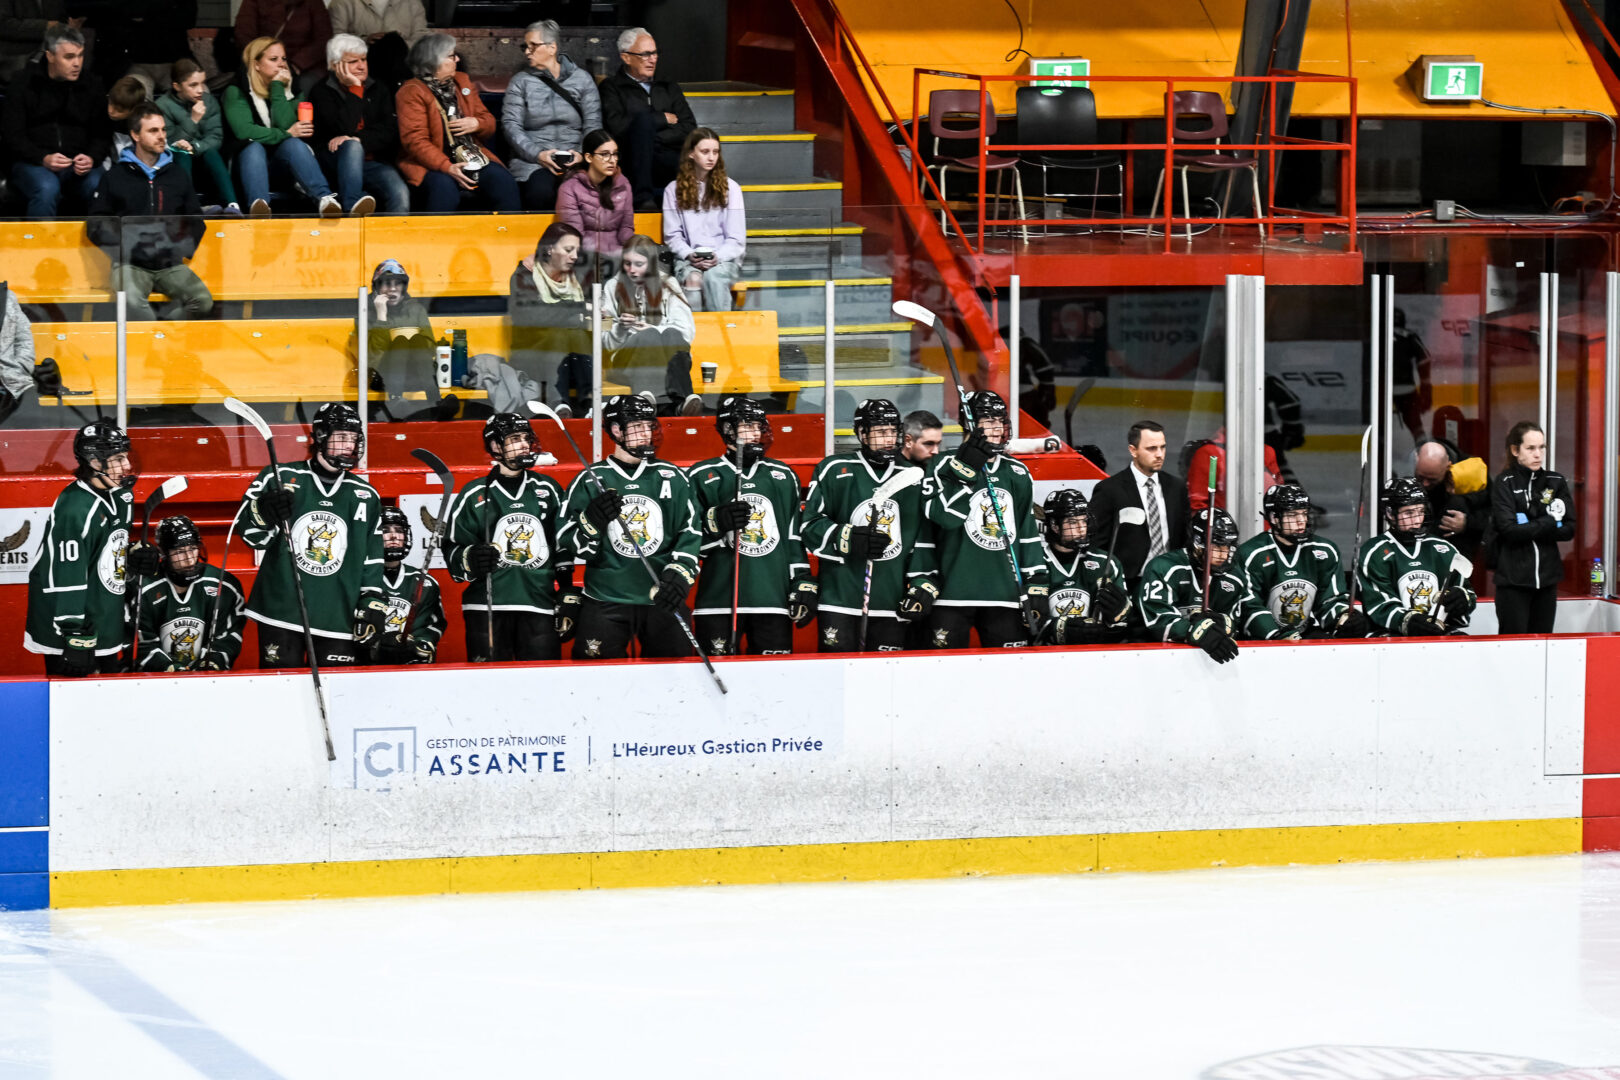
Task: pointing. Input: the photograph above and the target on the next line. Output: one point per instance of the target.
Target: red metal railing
(1271, 145)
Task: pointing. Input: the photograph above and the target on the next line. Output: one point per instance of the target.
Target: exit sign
(1448, 78)
(1059, 70)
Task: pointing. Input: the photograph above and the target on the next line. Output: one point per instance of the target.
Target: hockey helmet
(331, 418)
(1284, 501)
(1222, 533)
(871, 417)
(501, 427)
(735, 411)
(173, 534)
(1066, 520)
(630, 415)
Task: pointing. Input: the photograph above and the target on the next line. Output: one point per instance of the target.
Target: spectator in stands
(197, 130)
(922, 438)
(399, 335)
(55, 127)
(16, 354)
(1532, 512)
(356, 134)
(648, 329)
(442, 123)
(596, 200)
(262, 115)
(390, 27)
(648, 116)
(148, 36)
(303, 26)
(1459, 502)
(549, 107)
(704, 224)
(150, 255)
(123, 98)
(550, 323)
(22, 26)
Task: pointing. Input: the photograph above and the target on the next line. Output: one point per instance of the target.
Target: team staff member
(1532, 512)
(1171, 597)
(924, 438)
(411, 631)
(1161, 495)
(1409, 587)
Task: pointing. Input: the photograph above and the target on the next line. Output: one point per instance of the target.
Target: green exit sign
(1449, 78)
(1059, 70)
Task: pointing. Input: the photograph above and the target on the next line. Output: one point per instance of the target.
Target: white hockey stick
(1464, 569)
(165, 491)
(904, 478)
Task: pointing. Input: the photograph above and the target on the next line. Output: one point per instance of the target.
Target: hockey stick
(219, 594)
(442, 471)
(921, 315)
(1464, 569)
(1361, 509)
(736, 560)
(1128, 515)
(245, 411)
(171, 487)
(907, 477)
(541, 409)
(1209, 533)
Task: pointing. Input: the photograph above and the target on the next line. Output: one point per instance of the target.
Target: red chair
(966, 104)
(1207, 107)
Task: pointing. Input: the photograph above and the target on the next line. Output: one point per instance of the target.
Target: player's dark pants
(999, 628)
(1525, 611)
(519, 635)
(604, 630)
(757, 634)
(838, 632)
(280, 648)
(105, 665)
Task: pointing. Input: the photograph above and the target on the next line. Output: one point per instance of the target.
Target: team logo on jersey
(522, 540)
(1071, 602)
(982, 527)
(760, 536)
(1292, 602)
(646, 521)
(942, 638)
(829, 635)
(717, 645)
(399, 609)
(181, 638)
(593, 647)
(1419, 589)
(887, 519)
(110, 567)
(320, 540)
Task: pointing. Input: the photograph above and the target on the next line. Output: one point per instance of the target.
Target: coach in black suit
(1145, 484)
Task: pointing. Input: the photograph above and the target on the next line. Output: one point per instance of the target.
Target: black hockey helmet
(983, 405)
(1283, 499)
(1400, 492)
(871, 415)
(736, 410)
(1225, 535)
(331, 418)
(1061, 507)
(100, 441)
(395, 550)
(502, 426)
(623, 411)
(178, 532)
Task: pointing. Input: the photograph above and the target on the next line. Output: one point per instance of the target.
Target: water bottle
(441, 364)
(458, 357)
(1597, 578)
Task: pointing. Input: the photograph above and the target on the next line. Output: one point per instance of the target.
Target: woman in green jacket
(262, 116)
(196, 132)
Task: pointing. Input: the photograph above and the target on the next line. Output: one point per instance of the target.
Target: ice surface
(1118, 976)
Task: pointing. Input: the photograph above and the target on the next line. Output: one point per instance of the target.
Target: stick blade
(910, 476)
(915, 312)
(173, 486)
(247, 412)
(432, 461)
(540, 408)
(1132, 515)
(1462, 566)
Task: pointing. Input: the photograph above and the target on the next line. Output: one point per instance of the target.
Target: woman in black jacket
(1531, 514)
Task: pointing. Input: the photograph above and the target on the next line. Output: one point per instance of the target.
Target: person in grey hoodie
(549, 107)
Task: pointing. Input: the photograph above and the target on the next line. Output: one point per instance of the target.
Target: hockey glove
(424, 650)
(481, 559)
(802, 598)
(1353, 624)
(1209, 633)
(214, 661)
(918, 602)
(395, 650)
(1420, 624)
(1074, 630)
(862, 543)
(272, 508)
(601, 510)
(142, 560)
(1456, 601)
(78, 655)
(569, 602)
(970, 458)
(370, 616)
(673, 585)
(1038, 602)
(1111, 604)
(727, 517)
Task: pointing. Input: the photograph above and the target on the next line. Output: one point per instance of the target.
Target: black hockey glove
(1456, 601)
(1074, 630)
(423, 650)
(673, 585)
(727, 517)
(918, 602)
(1209, 633)
(370, 616)
(971, 458)
(1111, 604)
(78, 655)
(214, 661)
(142, 560)
(273, 507)
(569, 602)
(802, 598)
(601, 510)
(395, 650)
(1353, 624)
(1420, 624)
(481, 559)
(1038, 602)
(862, 542)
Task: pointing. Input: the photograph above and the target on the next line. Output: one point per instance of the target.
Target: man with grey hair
(647, 116)
(550, 106)
(390, 27)
(356, 134)
(22, 24)
(923, 436)
(55, 126)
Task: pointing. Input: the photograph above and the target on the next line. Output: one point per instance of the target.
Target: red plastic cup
(306, 112)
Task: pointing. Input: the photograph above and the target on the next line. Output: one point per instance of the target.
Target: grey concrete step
(772, 157)
(860, 346)
(819, 247)
(740, 107)
(805, 200)
(858, 296)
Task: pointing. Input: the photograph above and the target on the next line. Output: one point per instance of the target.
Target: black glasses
(528, 48)
(610, 154)
(648, 55)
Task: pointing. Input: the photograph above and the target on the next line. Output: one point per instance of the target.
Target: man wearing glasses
(648, 117)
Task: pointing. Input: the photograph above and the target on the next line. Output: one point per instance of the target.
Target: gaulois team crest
(181, 639)
(110, 566)
(761, 534)
(886, 520)
(1075, 602)
(646, 523)
(521, 540)
(1291, 602)
(320, 540)
(982, 527)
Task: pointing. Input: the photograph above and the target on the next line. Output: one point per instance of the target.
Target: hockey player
(977, 589)
(1408, 585)
(654, 500)
(1296, 585)
(191, 619)
(843, 529)
(1087, 601)
(335, 521)
(411, 631)
(77, 619)
(750, 510)
(503, 535)
(1171, 592)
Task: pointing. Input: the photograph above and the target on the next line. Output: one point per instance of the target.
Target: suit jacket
(1120, 490)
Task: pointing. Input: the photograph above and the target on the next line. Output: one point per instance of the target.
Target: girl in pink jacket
(596, 199)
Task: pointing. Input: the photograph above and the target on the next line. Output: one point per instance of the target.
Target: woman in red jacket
(442, 124)
(597, 200)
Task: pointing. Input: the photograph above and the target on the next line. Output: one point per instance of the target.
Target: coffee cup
(711, 370)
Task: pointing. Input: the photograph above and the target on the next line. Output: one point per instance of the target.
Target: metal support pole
(596, 371)
(1244, 401)
(1386, 422)
(1611, 430)
(828, 370)
(1016, 374)
(1551, 335)
(364, 392)
(1542, 342)
(1375, 402)
(122, 347)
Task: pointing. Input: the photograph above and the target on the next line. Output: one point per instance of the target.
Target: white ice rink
(1179, 975)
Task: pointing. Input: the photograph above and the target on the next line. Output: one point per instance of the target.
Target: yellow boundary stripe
(879, 861)
(785, 136)
(835, 230)
(828, 185)
(860, 328)
(805, 283)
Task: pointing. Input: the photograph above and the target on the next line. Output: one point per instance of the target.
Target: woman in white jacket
(649, 328)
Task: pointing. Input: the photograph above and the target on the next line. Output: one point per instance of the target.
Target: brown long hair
(718, 192)
(646, 247)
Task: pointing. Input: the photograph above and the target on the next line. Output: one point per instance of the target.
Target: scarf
(556, 292)
(448, 96)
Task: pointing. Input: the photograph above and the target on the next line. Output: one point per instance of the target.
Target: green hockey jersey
(520, 515)
(841, 494)
(972, 552)
(771, 549)
(77, 586)
(1292, 588)
(398, 589)
(1172, 588)
(175, 621)
(663, 522)
(1074, 580)
(1396, 579)
(337, 544)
